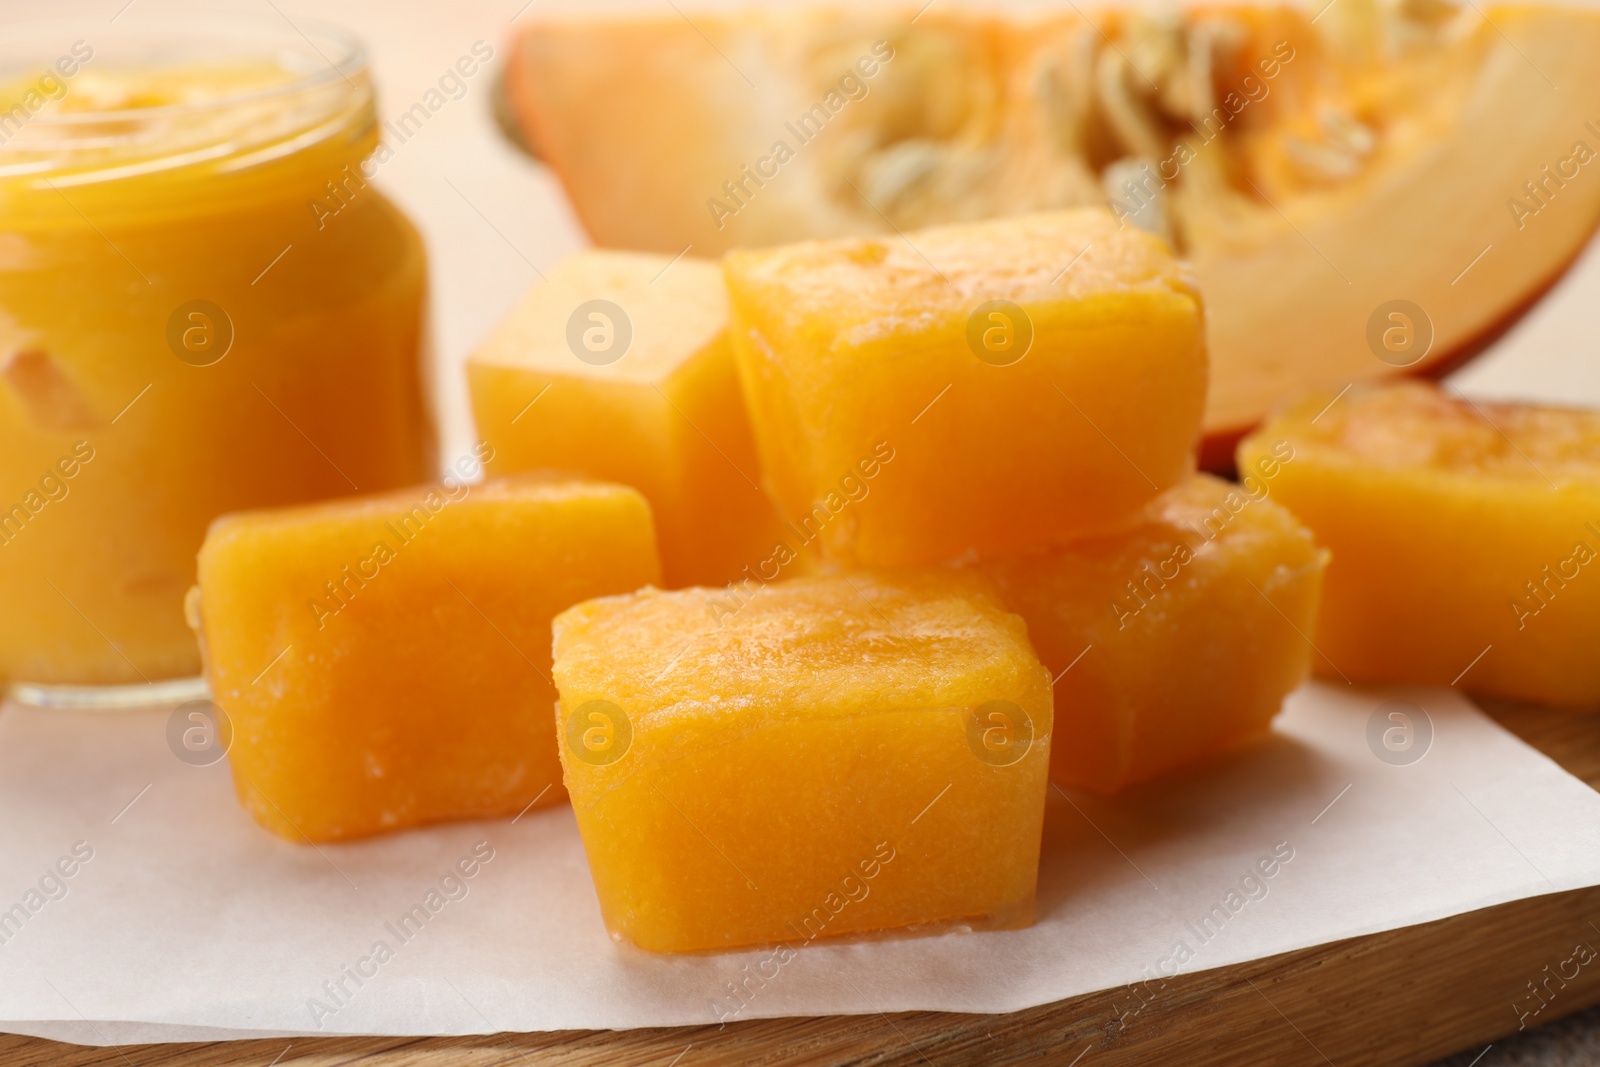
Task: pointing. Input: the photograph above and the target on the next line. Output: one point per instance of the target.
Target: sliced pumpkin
(1315, 166)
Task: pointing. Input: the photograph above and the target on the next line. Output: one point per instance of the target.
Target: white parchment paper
(190, 923)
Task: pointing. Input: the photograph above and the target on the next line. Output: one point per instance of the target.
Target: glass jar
(204, 306)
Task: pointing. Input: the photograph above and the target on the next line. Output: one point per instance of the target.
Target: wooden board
(1388, 1000)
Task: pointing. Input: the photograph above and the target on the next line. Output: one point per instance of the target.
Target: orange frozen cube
(840, 755)
(1173, 639)
(619, 367)
(1020, 381)
(385, 660)
(1464, 538)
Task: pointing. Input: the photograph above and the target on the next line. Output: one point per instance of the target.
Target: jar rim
(349, 59)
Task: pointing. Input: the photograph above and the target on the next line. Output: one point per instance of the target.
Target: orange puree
(1035, 377)
(181, 335)
(618, 365)
(839, 755)
(385, 660)
(1175, 638)
(1464, 535)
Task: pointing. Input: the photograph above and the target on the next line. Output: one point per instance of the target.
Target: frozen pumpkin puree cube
(1033, 378)
(1464, 536)
(385, 660)
(619, 367)
(842, 754)
(1175, 638)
